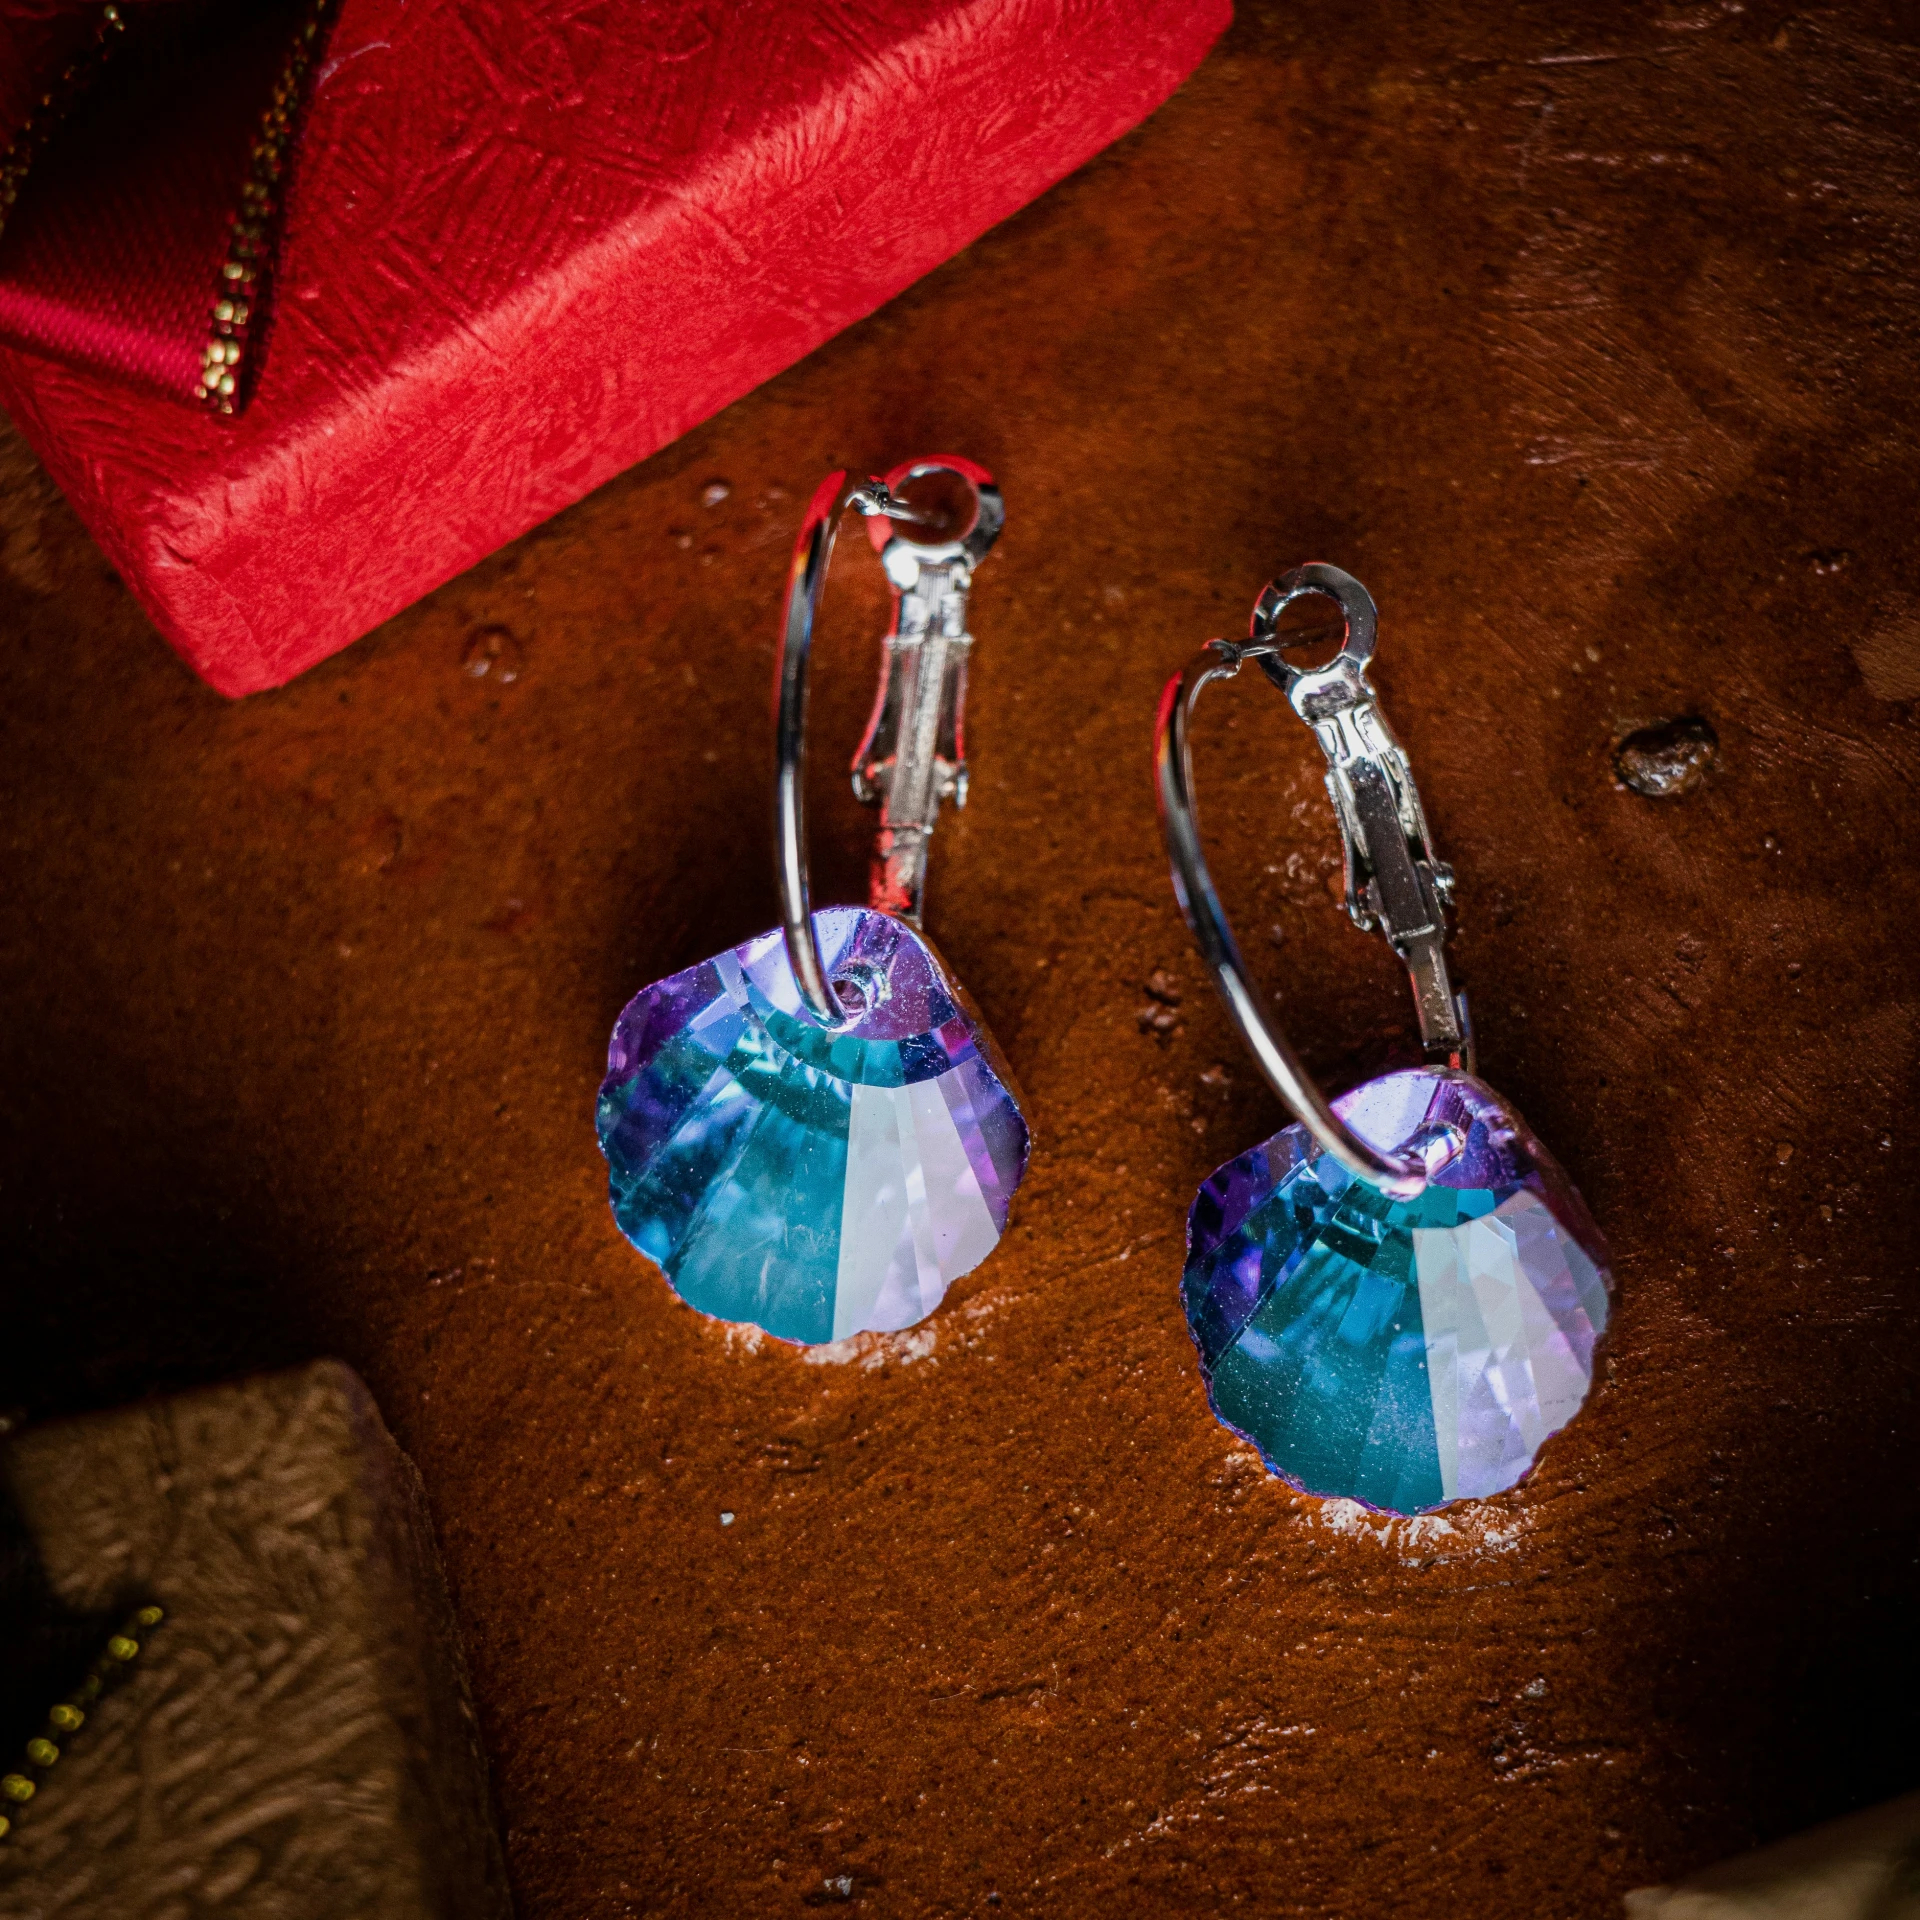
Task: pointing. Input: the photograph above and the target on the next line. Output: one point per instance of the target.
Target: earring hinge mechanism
(911, 756)
(1395, 882)
(914, 754)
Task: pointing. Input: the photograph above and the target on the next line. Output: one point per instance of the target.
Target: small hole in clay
(1668, 760)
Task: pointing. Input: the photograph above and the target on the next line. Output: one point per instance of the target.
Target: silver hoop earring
(814, 1132)
(1397, 1298)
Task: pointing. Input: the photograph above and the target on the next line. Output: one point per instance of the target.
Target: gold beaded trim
(250, 249)
(52, 108)
(66, 1719)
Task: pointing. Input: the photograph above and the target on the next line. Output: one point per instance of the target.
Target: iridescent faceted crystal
(1398, 1353)
(816, 1183)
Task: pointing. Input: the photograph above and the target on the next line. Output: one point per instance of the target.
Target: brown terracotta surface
(1586, 336)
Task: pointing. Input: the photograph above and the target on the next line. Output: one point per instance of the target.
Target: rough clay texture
(296, 1741)
(528, 244)
(1585, 335)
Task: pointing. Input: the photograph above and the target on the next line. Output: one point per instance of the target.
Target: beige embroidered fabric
(295, 1738)
(1863, 1868)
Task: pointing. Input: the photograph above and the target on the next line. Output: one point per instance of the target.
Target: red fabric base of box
(525, 250)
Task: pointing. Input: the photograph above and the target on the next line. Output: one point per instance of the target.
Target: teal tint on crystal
(814, 1183)
(1403, 1354)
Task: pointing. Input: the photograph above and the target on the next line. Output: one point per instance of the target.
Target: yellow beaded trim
(51, 109)
(250, 248)
(43, 1750)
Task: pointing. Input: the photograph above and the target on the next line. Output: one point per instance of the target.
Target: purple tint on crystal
(1232, 1191)
(1218, 1311)
(659, 1013)
(1575, 1298)
(1501, 1149)
(983, 1118)
(956, 1037)
(1401, 1353)
(815, 1181)
(1393, 1108)
(1229, 1304)
(913, 998)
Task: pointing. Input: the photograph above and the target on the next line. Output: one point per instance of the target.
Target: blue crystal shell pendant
(816, 1182)
(1399, 1353)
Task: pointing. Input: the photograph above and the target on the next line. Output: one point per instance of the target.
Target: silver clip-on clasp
(1395, 881)
(913, 755)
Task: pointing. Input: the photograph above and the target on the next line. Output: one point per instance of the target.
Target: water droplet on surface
(1665, 761)
(494, 654)
(715, 491)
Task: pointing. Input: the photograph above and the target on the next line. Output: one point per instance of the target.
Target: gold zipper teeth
(68, 1716)
(224, 358)
(243, 272)
(51, 108)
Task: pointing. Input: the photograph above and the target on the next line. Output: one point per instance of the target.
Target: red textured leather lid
(523, 251)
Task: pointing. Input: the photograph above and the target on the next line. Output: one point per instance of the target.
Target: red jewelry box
(526, 245)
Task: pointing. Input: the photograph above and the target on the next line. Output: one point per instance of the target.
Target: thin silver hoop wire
(806, 582)
(1400, 1176)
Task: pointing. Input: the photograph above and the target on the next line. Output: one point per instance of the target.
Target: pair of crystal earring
(1396, 1299)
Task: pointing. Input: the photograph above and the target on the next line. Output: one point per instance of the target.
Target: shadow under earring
(814, 1131)
(1397, 1299)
